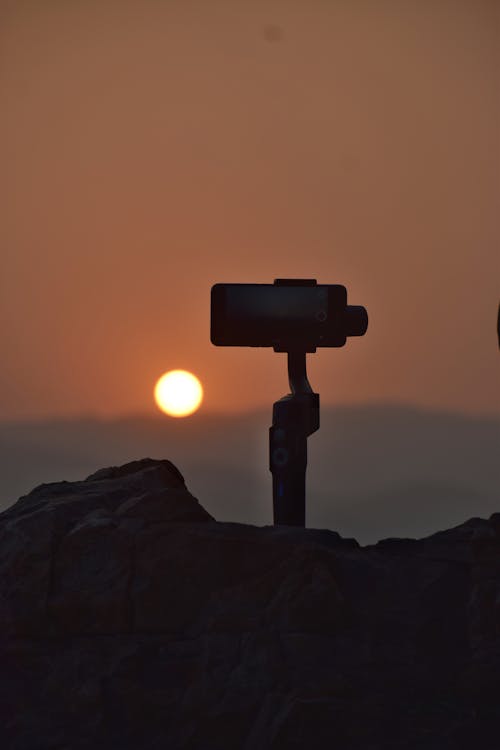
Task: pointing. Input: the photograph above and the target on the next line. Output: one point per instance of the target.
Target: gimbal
(294, 316)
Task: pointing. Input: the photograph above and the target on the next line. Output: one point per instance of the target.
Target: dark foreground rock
(129, 618)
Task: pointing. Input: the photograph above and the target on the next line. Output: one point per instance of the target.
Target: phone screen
(268, 304)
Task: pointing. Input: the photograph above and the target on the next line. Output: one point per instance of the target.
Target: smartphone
(291, 314)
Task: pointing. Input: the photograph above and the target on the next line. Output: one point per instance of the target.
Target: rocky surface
(129, 618)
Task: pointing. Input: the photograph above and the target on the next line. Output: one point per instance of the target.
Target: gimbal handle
(295, 417)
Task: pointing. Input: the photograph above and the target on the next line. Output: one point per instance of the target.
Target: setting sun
(178, 393)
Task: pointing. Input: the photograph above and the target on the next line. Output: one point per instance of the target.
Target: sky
(150, 149)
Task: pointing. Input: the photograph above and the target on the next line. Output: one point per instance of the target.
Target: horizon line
(157, 416)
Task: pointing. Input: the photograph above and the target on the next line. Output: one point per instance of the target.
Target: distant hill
(373, 470)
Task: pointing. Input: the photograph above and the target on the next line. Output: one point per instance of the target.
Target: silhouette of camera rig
(293, 316)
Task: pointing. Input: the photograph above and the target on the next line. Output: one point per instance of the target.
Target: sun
(178, 393)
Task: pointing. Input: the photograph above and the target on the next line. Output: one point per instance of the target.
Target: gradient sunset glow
(150, 150)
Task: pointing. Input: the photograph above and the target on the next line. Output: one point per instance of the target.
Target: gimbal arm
(297, 375)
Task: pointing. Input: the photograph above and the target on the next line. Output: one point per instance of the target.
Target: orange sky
(150, 149)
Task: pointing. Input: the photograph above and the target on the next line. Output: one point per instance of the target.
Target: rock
(130, 618)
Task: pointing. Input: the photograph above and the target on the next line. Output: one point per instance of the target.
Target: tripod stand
(295, 417)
